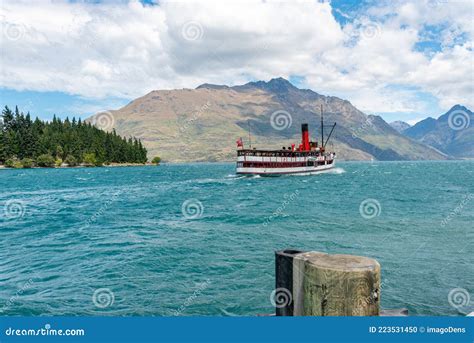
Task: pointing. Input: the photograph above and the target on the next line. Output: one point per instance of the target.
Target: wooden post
(284, 280)
(336, 285)
(350, 286)
(298, 279)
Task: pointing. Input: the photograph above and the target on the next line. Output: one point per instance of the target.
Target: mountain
(452, 133)
(399, 125)
(203, 124)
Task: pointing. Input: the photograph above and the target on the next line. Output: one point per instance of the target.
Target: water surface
(121, 233)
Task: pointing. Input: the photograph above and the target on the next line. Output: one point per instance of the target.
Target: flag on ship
(240, 143)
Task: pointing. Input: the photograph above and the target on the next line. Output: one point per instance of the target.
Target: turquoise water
(120, 233)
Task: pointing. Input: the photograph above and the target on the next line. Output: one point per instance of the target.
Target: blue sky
(399, 59)
(61, 104)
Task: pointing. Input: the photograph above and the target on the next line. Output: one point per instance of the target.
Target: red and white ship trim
(308, 158)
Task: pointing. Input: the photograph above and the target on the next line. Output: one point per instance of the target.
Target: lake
(195, 239)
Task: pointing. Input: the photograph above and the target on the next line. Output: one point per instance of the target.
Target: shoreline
(113, 165)
(149, 164)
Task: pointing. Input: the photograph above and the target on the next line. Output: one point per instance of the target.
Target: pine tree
(8, 118)
(2, 145)
(67, 140)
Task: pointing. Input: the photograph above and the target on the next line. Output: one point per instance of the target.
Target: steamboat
(308, 158)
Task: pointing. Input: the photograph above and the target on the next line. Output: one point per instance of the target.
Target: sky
(403, 60)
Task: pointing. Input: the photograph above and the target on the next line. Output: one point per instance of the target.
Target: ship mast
(322, 127)
(250, 140)
(323, 144)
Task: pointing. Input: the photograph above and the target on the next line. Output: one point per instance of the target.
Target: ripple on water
(123, 229)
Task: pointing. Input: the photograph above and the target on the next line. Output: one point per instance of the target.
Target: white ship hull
(308, 170)
(306, 159)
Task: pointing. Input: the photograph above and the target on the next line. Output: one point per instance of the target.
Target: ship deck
(277, 153)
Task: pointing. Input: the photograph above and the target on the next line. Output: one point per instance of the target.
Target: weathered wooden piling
(284, 279)
(328, 285)
(298, 280)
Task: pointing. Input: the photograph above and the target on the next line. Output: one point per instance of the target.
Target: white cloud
(127, 49)
(414, 121)
(448, 76)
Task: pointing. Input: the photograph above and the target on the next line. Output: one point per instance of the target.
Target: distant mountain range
(399, 125)
(452, 133)
(203, 124)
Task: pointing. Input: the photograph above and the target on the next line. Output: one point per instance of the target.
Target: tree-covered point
(71, 141)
